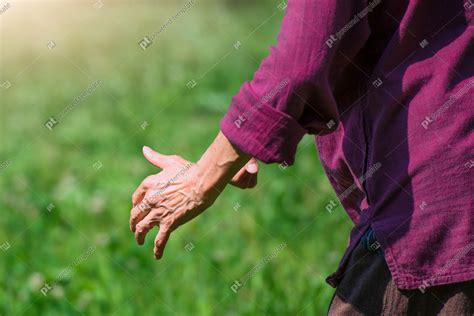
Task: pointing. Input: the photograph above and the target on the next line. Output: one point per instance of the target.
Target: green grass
(91, 207)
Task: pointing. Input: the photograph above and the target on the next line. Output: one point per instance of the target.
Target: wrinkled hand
(176, 195)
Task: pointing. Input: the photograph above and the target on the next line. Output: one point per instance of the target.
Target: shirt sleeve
(291, 92)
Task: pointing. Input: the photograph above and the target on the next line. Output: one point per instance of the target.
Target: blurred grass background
(90, 206)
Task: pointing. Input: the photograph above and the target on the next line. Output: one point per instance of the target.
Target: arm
(290, 95)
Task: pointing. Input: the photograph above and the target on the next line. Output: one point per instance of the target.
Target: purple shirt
(387, 88)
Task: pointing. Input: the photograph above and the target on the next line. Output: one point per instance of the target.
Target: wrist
(220, 163)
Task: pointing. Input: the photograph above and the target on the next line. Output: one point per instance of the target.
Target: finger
(137, 213)
(155, 158)
(247, 176)
(139, 193)
(252, 166)
(238, 176)
(250, 181)
(144, 226)
(247, 181)
(161, 240)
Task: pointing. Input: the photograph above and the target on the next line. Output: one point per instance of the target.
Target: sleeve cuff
(262, 132)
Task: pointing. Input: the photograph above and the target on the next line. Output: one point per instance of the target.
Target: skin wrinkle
(183, 190)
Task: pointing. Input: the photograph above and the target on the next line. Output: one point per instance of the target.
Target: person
(386, 88)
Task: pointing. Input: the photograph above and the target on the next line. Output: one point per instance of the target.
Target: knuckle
(141, 229)
(143, 205)
(158, 243)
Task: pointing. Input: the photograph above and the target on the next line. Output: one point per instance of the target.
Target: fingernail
(146, 149)
(252, 168)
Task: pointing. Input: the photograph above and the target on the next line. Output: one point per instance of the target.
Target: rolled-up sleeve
(290, 94)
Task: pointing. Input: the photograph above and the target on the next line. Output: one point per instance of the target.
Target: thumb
(155, 158)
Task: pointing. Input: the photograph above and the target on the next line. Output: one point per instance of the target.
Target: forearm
(220, 163)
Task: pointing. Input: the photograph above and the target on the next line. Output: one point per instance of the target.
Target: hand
(177, 194)
(168, 199)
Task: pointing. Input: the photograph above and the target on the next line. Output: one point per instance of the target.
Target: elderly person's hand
(183, 190)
